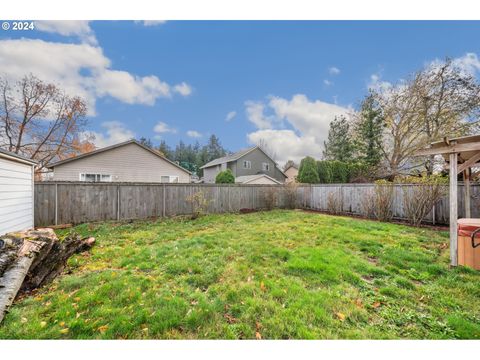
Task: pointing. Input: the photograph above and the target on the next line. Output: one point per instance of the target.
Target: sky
(279, 82)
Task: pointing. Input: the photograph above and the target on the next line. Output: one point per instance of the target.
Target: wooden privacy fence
(79, 202)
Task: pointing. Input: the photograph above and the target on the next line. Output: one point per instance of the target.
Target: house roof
(249, 178)
(98, 151)
(15, 157)
(236, 156)
(291, 165)
(228, 158)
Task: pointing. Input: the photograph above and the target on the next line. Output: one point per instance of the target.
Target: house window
(265, 166)
(169, 179)
(247, 164)
(95, 177)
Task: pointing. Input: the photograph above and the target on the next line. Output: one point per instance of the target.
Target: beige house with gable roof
(129, 161)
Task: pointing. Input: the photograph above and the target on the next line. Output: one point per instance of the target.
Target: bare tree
(441, 100)
(40, 121)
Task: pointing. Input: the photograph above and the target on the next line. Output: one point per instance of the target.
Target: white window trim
(171, 179)
(80, 175)
(247, 164)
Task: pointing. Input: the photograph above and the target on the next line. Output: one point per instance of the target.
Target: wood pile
(33, 258)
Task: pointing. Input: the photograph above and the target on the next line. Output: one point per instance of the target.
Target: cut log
(13, 277)
(32, 259)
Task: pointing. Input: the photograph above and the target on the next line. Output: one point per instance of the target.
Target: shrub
(421, 196)
(199, 203)
(383, 200)
(334, 203)
(307, 173)
(290, 191)
(225, 177)
(270, 198)
(368, 204)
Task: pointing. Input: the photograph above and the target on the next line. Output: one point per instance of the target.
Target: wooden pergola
(462, 154)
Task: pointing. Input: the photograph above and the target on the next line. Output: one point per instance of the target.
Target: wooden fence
(79, 202)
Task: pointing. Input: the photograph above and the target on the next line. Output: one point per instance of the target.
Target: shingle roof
(228, 158)
(9, 154)
(133, 141)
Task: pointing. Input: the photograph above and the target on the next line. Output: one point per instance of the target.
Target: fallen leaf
(341, 316)
(262, 286)
(43, 324)
(77, 299)
(64, 331)
(145, 329)
(359, 303)
(258, 336)
(23, 320)
(230, 319)
(62, 324)
(258, 326)
(376, 304)
(103, 328)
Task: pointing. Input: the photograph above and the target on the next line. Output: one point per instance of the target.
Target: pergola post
(466, 189)
(453, 208)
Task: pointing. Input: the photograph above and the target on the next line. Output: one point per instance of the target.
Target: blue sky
(280, 81)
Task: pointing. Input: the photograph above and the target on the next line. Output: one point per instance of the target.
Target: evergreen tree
(308, 171)
(339, 145)
(146, 142)
(214, 148)
(369, 131)
(165, 150)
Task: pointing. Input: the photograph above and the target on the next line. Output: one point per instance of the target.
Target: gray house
(129, 161)
(251, 161)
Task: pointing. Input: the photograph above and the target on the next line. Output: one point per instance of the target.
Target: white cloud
(334, 70)
(193, 134)
(376, 83)
(286, 144)
(131, 89)
(183, 89)
(81, 70)
(151, 22)
(115, 132)
(469, 63)
(78, 28)
(162, 127)
(310, 120)
(230, 116)
(327, 82)
(255, 114)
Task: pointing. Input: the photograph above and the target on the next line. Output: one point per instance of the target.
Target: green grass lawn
(274, 275)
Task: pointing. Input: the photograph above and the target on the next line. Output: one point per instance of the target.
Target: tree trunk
(32, 259)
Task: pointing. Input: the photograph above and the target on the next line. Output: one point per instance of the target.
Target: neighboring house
(129, 161)
(292, 173)
(257, 179)
(252, 161)
(16, 192)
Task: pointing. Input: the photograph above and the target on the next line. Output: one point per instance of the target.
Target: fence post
(229, 205)
(118, 202)
(56, 204)
(163, 200)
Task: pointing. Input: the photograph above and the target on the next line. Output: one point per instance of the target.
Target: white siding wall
(16, 196)
(129, 163)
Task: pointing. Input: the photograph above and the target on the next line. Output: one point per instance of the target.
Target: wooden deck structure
(462, 154)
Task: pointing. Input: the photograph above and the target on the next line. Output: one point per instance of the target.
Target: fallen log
(33, 258)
